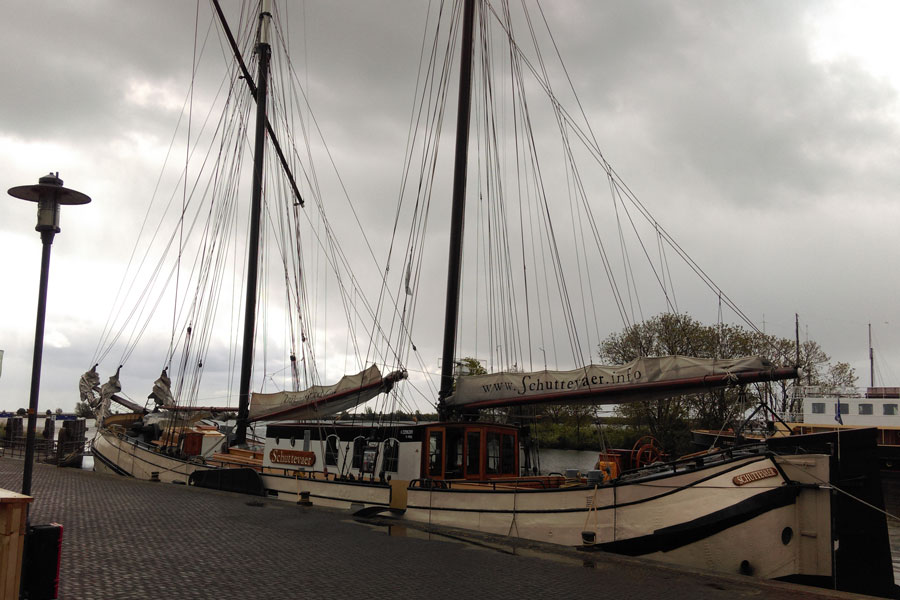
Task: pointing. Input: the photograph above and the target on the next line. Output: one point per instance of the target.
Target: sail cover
(640, 379)
(107, 392)
(86, 385)
(162, 390)
(323, 400)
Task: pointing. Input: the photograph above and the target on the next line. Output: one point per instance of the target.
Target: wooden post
(12, 541)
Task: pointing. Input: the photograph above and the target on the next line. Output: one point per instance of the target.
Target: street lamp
(49, 194)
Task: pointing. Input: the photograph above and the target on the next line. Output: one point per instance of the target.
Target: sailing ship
(756, 510)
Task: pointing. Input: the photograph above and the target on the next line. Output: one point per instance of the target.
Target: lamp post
(49, 194)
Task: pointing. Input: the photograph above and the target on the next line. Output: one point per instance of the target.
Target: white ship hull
(124, 456)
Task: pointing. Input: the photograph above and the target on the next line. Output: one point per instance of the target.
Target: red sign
(292, 457)
(752, 476)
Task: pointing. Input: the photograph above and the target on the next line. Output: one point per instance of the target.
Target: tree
(83, 409)
(21, 412)
(840, 375)
(471, 366)
(667, 334)
(811, 361)
(670, 419)
(581, 415)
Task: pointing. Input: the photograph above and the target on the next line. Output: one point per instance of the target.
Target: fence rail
(67, 454)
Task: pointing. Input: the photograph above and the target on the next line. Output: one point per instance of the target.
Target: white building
(859, 407)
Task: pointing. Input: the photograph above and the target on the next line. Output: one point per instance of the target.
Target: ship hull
(120, 455)
(699, 518)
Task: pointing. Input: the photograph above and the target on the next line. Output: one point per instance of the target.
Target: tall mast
(263, 50)
(871, 360)
(458, 210)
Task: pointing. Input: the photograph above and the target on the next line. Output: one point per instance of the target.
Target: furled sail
(640, 379)
(162, 390)
(86, 385)
(323, 400)
(109, 389)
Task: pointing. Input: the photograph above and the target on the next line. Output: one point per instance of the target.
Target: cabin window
(473, 453)
(890, 409)
(818, 408)
(493, 453)
(508, 455)
(865, 409)
(845, 408)
(391, 458)
(370, 457)
(454, 465)
(435, 451)
(331, 450)
(359, 446)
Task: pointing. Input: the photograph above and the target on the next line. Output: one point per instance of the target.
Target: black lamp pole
(49, 194)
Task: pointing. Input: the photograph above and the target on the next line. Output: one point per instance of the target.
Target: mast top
(265, 19)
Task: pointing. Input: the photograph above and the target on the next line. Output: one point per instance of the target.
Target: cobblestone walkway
(132, 539)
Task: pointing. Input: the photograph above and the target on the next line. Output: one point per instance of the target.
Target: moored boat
(759, 510)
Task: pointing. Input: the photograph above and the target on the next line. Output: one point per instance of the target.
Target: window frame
(332, 453)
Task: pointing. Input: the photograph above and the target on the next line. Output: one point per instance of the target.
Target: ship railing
(789, 416)
(522, 483)
(829, 391)
(318, 475)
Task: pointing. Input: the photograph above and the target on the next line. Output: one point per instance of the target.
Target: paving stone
(126, 539)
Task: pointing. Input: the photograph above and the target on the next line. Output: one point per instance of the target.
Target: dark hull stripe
(683, 534)
(109, 464)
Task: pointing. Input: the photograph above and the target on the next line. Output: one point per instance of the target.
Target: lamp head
(49, 194)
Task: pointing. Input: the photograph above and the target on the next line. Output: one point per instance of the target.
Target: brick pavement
(133, 539)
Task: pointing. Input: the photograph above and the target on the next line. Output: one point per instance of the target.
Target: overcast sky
(765, 136)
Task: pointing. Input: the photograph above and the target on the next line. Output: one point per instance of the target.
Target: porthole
(787, 534)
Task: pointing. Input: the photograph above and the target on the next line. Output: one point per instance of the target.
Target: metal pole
(49, 194)
(264, 51)
(457, 218)
(871, 360)
(47, 242)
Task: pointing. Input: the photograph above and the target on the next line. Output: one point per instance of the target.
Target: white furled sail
(109, 389)
(162, 390)
(86, 386)
(640, 379)
(323, 400)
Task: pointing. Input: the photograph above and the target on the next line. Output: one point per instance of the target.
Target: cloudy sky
(764, 136)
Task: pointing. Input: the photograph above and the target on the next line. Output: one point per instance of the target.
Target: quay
(125, 538)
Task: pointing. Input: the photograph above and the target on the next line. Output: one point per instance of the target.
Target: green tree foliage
(671, 419)
(83, 409)
(471, 366)
(839, 375)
